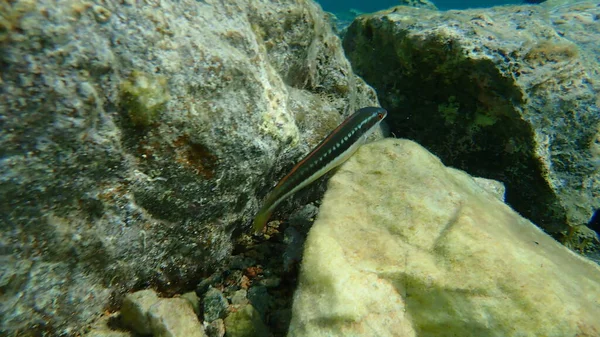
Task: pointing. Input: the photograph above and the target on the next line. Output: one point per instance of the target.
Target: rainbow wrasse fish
(338, 146)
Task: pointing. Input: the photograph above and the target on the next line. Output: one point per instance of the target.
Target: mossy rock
(245, 322)
(143, 97)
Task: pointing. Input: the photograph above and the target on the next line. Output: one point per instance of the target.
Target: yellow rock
(404, 246)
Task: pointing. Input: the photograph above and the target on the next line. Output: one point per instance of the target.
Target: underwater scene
(346, 11)
(300, 168)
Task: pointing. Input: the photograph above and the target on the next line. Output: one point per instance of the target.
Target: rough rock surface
(216, 328)
(174, 317)
(215, 305)
(136, 138)
(508, 93)
(101, 328)
(194, 301)
(147, 314)
(409, 247)
(245, 321)
(134, 311)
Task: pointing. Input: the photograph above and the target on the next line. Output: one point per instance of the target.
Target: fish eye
(380, 115)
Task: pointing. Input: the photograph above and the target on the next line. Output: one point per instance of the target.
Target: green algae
(245, 322)
(143, 98)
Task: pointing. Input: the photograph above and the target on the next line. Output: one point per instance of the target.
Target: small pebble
(259, 297)
(216, 328)
(240, 262)
(239, 297)
(207, 282)
(215, 305)
(271, 282)
(244, 282)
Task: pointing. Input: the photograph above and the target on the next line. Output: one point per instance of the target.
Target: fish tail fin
(261, 220)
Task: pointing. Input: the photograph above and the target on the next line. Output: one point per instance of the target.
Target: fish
(331, 152)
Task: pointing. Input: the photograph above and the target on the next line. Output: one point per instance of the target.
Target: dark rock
(293, 250)
(502, 93)
(259, 298)
(203, 286)
(214, 304)
(240, 262)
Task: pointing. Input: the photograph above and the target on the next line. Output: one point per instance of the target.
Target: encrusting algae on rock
(143, 97)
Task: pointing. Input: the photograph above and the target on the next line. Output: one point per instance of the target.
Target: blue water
(375, 5)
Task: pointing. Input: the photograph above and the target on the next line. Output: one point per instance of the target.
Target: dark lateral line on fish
(338, 146)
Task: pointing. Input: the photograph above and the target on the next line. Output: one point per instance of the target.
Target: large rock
(508, 93)
(137, 137)
(134, 310)
(404, 246)
(174, 317)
